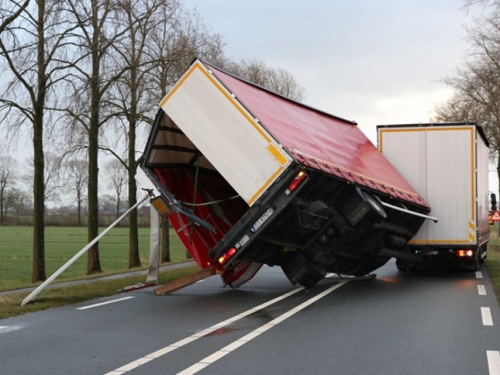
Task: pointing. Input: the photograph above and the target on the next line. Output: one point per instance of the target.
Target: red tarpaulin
(321, 141)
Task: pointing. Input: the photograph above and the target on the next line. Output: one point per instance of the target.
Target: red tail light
(465, 253)
(297, 180)
(227, 255)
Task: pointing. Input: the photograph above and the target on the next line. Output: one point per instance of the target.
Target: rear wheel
(314, 276)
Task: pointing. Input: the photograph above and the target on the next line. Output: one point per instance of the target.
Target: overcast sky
(371, 61)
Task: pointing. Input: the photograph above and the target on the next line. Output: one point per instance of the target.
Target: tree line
(476, 83)
(83, 78)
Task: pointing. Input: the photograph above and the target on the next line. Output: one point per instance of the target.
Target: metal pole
(42, 286)
(409, 211)
(154, 248)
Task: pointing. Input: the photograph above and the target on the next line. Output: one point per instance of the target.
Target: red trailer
(248, 177)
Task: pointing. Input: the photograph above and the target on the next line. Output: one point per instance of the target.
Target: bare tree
(77, 172)
(31, 46)
(117, 178)
(275, 79)
(8, 175)
(130, 92)
(18, 200)
(53, 185)
(477, 83)
(178, 39)
(99, 31)
(161, 41)
(10, 10)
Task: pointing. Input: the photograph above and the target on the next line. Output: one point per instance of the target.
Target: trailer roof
(479, 128)
(319, 140)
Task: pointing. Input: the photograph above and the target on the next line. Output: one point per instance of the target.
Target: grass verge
(61, 243)
(492, 263)
(10, 305)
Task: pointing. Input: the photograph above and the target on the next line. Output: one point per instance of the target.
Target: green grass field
(61, 243)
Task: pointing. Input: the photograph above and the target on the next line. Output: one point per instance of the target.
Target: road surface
(398, 323)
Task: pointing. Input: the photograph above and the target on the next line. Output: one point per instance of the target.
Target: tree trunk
(38, 270)
(165, 241)
(93, 261)
(79, 207)
(134, 259)
(1, 206)
(117, 213)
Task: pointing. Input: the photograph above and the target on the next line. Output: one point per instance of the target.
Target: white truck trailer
(448, 165)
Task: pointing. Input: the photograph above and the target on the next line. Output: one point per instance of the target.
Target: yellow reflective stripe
(278, 155)
(267, 183)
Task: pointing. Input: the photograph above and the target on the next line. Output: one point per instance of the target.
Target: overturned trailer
(248, 177)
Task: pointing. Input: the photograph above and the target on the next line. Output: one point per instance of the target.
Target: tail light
(464, 253)
(227, 255)
(297, 180)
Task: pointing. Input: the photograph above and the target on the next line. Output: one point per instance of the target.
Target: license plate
(265, 216)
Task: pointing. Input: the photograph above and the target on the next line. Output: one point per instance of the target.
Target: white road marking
(5, 329)
(479, 275)
(486, 315)
(481, 290)
(139, 362)
(104, 303)
(242, 341)
(493, 362)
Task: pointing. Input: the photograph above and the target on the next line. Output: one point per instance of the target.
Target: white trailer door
(243, 152)
(439, 163)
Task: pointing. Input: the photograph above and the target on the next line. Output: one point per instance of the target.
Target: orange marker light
(160, 206)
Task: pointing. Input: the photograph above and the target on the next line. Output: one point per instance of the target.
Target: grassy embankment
(493, 261)
(61, 244)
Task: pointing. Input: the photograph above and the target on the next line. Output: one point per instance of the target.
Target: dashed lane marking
(479, 275)
(493, 362)
(481, 290)
(486, 316)
(104, 303)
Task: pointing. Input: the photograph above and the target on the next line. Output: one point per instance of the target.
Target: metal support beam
(42, 286)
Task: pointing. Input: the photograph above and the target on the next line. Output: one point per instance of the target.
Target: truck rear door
(439, 162)
(225, 132)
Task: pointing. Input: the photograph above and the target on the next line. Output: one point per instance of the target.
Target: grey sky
(371, 61)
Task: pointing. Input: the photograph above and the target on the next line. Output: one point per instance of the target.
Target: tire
(313, 277)
(402, 265)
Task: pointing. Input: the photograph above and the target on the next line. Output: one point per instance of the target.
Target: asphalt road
(397, 323)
